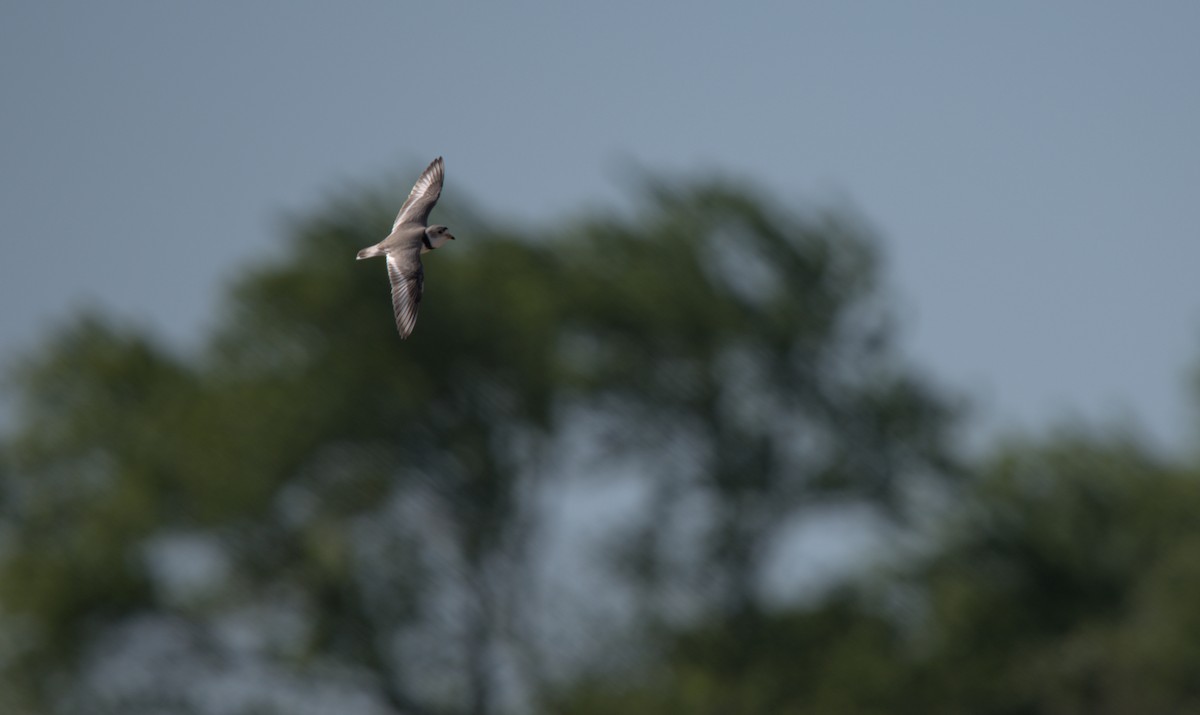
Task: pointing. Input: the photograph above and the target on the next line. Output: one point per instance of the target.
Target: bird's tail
(370, 252)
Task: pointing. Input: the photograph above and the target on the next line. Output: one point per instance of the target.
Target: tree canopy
(308, 515)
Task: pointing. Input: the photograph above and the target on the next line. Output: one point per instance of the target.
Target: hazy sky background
(1033, 168)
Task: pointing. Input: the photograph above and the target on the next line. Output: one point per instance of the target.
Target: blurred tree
(1068, 584)
(95, 398)
(1064, 584)
(309, 511)
(834, 657)
(307, 493)
(746, 353)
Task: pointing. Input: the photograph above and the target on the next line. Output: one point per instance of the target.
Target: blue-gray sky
(1033, 168)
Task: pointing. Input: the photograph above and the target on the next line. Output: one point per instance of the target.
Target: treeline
(572, 491)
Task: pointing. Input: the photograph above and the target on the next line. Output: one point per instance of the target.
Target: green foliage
(342, 512)
(1067, 584)
(93, 404)
(836, 658)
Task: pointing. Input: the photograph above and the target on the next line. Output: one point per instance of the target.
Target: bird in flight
(410, 237)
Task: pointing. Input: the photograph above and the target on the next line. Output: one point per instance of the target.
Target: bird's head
(438, 235)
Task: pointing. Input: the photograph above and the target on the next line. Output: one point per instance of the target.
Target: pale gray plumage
(410, 237)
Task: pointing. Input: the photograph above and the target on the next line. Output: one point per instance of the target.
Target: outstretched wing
(408, 282)
(424, 195)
